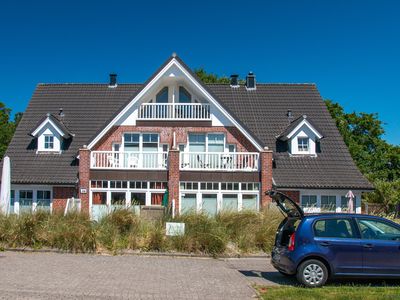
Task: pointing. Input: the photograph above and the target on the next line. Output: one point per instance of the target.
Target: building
(213, 146)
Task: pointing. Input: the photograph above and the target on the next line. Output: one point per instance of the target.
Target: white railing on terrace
(233, 161)
(128, 160)
(174, 111)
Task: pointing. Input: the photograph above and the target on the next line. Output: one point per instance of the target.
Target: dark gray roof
(88, 107)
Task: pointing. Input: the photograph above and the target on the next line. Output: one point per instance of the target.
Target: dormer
(50, 134)
(302, 137)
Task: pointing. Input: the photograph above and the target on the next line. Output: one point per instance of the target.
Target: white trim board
(48, 120)
(302, 123)
(174, 62)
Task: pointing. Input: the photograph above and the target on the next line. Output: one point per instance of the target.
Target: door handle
(368, 246)
(325, 244)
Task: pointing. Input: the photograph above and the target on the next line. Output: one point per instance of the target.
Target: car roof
(337, 215)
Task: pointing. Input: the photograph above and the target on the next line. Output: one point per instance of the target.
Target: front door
(381, 245)
(338, 241)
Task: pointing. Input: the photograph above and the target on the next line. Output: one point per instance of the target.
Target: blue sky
(350, 49)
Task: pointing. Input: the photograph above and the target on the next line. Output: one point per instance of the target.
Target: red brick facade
(84, 177)
(266, 176)
(173, 178)
(233, 136)
(60, 196)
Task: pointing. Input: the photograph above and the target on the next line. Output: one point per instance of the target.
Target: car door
(338, 241)
(381, 246)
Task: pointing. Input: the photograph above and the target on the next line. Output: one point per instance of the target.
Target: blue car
(317, 247)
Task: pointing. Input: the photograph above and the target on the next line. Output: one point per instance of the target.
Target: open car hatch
(285, 204)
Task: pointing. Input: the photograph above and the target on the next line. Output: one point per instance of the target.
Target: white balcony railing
(174, 111)
(128, 160)
(233, 161)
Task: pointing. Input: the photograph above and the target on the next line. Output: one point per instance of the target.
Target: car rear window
(334, 228)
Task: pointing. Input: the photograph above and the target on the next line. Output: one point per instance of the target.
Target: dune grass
(228, 233)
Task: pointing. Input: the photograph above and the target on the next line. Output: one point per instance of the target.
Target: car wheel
(285, 274)
(312, 273)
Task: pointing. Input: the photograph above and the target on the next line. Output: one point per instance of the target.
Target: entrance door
(209, 204)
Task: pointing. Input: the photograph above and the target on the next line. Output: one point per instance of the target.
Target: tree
(209, 77)
(7, 127)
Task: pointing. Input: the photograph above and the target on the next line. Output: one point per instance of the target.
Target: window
(308, 201)
(131, 141)
(150, 142)
(138, 198)
(12, 197)
(138, 185)
(25, 198)
(99, 198)
(249, 202)
(118, 198)
(302, 143)
(216, 142)
(162, 96)
(43, 199)
(49, 142)
(158, 185)
(334, 228)
(197, 142)
(181, 147)
(118, 184)
(378, 230)
(232, 148)
(209, 186)
(99, 184)
(250, 186)
(328, 203)
(184, 95)
(188, 203)
(209, 204)
(116, 147)
(230, 202)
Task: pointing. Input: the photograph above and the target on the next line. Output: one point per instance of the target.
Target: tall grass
(226, 233)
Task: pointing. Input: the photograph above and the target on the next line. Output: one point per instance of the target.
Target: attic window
(303, 144)
(49, 142)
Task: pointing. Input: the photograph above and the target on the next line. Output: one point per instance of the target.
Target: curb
(160, 254)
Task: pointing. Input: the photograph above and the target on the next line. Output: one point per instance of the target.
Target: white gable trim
(44, 123)
(302, 123)
(196, 84)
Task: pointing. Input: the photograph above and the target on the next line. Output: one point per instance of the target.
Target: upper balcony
(175, 111)
(219, 161)
(128, 160)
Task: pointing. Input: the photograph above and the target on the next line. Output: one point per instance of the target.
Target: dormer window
(301, 136)
(50, 134)
(303, 144)
(49, 142)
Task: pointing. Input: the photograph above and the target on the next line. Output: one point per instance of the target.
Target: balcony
(238, 161)
(128, 160)
(175, 111)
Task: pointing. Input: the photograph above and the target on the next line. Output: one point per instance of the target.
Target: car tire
(286, 274)
(312, 273)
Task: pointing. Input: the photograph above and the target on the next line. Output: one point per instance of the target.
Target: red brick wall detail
(60, 196)
(266, 176)
(233, 136)
(173, 178)
(84, 173)
(295, 195)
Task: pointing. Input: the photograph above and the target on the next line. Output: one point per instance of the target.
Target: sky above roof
(350, 49)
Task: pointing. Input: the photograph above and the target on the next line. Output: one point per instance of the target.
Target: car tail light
(291, 242)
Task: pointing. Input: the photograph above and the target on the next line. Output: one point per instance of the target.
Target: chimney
(61, 114)
(250, 81)
(234, 81)
(113, 80)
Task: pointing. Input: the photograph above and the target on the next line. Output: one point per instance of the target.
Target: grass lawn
(330, 292)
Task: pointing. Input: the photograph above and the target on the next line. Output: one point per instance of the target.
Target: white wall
(48, 129)
(303, 131)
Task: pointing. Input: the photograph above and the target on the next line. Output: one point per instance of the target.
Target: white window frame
(48, 143)
(303, 147)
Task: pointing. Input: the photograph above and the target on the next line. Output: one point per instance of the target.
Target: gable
(175, 74)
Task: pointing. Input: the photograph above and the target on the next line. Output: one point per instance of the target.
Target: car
(318, 247)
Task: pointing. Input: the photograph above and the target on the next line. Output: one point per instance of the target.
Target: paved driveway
(67, 276)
